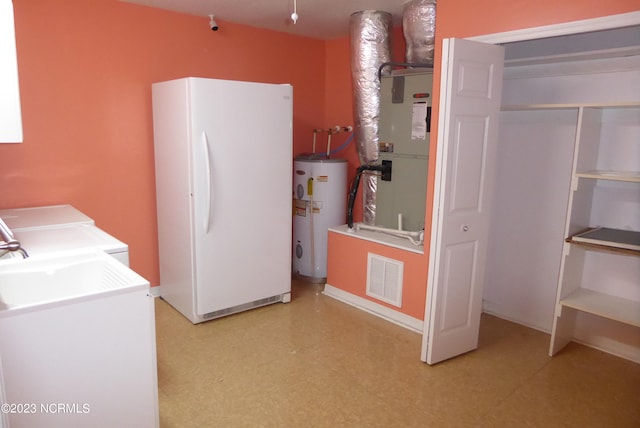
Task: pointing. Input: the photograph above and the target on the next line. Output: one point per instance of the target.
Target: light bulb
(294, 15)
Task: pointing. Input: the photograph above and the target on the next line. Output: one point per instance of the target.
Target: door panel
(466, 195)
(458, 272)
(465, 164)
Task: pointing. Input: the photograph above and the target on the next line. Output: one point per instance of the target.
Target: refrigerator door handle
(207, 167)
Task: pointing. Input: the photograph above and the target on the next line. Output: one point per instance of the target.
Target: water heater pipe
(416, 238)
(384, 169)
(313, 146)
(330, 131)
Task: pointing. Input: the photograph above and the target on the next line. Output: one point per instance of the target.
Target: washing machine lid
(68, 237)
(41, 217)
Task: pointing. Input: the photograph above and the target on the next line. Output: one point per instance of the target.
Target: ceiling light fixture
(294, 15)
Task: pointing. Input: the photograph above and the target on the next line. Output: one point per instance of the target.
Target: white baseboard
(496, 311)
(156, 291)
(383, 312)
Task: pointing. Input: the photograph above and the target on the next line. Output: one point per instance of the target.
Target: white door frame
(561, 29)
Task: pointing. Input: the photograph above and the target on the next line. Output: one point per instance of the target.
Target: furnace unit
(405, 124)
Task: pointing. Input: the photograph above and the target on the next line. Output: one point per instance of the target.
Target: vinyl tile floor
(317, 362)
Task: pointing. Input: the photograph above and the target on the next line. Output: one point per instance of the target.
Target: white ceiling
(320, 19)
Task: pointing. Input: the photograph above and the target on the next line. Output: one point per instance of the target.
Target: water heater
(319, 202)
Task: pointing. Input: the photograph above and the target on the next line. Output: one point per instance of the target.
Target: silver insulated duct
(370, 47)
(419, 27)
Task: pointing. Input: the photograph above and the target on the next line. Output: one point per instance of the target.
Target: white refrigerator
(224, 161)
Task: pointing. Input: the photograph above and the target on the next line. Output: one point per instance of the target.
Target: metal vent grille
(384, 279)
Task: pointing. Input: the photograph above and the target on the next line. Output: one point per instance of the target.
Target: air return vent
(384, 279)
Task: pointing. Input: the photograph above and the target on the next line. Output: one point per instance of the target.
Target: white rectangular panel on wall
(384, 279)
(10, 116)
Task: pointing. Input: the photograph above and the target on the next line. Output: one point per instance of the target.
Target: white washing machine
(42, 241)
(40, 217)
(60, 228)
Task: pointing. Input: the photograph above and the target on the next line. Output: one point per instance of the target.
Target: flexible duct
(370, 47)
(419, 27)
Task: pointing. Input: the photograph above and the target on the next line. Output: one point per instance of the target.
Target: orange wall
(355, 268)
(454, 18)
(86, 69)
(85, 73)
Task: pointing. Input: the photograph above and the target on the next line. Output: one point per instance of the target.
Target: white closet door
(465, 165)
